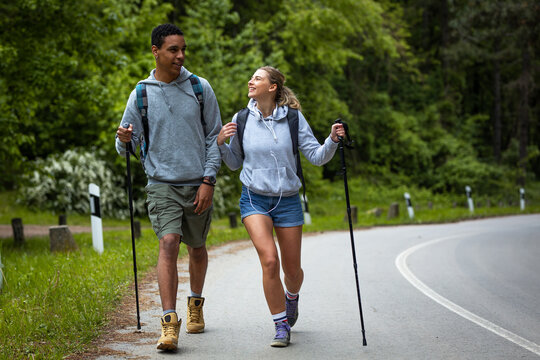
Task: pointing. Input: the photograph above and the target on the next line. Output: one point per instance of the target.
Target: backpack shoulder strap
(241, 119)
(142, 105)
(198, 90)
(292, 119)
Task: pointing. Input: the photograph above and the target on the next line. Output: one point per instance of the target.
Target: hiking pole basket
(342, 145)
(129, 151)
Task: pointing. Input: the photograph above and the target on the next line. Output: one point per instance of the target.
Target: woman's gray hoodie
(179, 153)
(269, 166)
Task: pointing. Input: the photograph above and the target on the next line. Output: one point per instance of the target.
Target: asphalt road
(468, 290)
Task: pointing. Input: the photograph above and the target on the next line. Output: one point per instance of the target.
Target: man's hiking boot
(292, 310)
(170, 329)
(283, 334)
(195, 318)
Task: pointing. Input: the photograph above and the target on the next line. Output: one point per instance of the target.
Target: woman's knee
(270, 264)
(293, 273)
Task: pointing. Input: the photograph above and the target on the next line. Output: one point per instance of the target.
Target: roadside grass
(9, 209)
(55, 304)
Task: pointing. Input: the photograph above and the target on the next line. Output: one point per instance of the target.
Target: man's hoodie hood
(151, 80)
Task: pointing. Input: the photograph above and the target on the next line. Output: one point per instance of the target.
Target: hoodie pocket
(268, 181)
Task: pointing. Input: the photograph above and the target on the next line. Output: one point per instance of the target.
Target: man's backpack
(292, 120)
(142, 105)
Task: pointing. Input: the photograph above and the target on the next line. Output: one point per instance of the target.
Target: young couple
(184, 145)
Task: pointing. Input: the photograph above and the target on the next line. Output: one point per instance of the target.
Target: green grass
(9, 209)
(56, 303)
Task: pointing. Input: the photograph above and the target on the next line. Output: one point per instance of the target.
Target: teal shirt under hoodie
(269, 165)
(179, 153)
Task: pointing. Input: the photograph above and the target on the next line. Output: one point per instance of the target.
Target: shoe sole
(165, 346)
(279, 344)
(195, 331)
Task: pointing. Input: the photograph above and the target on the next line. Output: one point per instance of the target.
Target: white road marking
(401, 264)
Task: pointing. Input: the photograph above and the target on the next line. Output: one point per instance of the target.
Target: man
(181, 160)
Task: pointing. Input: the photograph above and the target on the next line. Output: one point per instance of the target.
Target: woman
(270, 199)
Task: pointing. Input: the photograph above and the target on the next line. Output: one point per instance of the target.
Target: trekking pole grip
(338, 121)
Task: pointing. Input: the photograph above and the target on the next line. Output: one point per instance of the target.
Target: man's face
(170, 57)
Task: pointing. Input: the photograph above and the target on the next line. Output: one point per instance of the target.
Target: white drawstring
(280, 188)
(270, 127)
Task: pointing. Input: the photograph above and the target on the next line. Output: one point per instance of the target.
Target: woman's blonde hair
(284, 95)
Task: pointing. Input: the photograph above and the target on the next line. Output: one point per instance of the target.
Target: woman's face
(259, 86)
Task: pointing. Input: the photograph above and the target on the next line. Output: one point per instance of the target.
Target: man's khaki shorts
(171, 211)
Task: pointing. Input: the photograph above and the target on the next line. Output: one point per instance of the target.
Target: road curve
(489, 268)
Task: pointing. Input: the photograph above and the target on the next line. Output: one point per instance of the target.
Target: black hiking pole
(344, 170)
(129, 151)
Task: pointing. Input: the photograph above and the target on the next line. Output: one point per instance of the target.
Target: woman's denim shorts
(287, 213)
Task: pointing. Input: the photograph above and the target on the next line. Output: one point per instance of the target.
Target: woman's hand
(226, 132)
(337, 130)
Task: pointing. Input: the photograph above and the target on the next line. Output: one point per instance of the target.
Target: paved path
(410, 276)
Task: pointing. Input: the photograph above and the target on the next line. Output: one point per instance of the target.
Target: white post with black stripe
(469, 198)
(95, 211)
(522, 199)
(410, 209)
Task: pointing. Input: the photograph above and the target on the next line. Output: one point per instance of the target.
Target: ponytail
(287, 97)
(284, 95)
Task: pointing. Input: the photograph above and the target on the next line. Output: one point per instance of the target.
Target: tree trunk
(444, 42)
(497, 126)
(523, 129)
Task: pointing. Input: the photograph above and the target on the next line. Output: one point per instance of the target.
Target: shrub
(60, 183)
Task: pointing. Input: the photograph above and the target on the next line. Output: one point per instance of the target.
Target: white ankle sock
(282, 316)
(290, 295)
(165, 312)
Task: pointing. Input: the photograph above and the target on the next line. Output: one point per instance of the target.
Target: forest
(437, 93)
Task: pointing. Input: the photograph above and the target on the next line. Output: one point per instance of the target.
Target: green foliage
(60, 183)
(66, 55)
(415, 82)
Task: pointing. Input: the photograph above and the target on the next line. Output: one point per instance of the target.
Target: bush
(60, 183)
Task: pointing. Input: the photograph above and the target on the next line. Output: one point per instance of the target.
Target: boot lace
(170, 329)
(194, 314)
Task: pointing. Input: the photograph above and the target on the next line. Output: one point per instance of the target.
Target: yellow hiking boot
(170, 328)
(195, 319)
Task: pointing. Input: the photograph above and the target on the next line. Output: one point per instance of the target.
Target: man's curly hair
(160, 32)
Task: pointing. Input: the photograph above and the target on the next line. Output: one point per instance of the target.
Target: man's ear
(155, 50)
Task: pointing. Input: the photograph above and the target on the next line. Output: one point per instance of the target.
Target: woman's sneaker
(292, 309)
(283, 334)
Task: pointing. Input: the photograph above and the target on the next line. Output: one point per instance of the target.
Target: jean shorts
(284, 212)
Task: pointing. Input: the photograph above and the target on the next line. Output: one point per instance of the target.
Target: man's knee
(169, 245)
(198, 255)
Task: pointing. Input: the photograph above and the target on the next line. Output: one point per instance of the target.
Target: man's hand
(124, 135)
(203, 199)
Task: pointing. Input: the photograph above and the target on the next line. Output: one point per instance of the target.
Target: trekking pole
(129, 151)
(344, 170)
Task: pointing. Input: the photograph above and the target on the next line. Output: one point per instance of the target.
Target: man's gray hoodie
(269, 166)
(179, 153)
